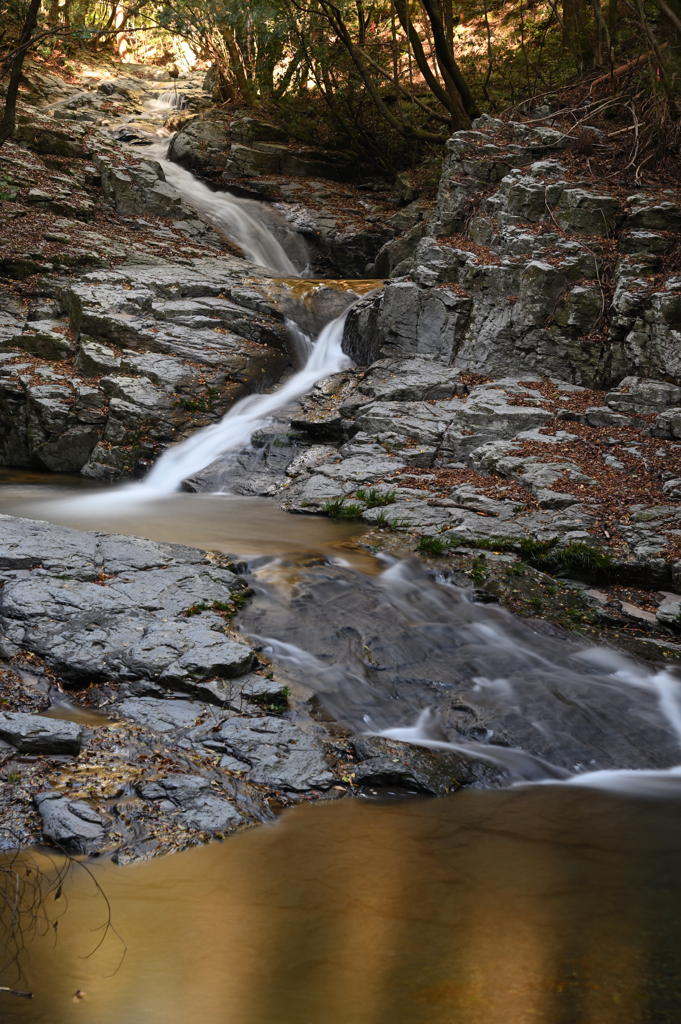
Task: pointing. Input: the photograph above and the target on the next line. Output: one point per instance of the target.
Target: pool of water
(538, 904)
(243, 526)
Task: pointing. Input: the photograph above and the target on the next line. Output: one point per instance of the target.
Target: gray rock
(392, 763)
(669, 611)
(119, 554)
(25, 544)
(249, 129)
(165, 716)
(280, 754)
(40, 339)
(72, 823)
(33, 734)
(201, 807)
(643, 396)
(95, 360)
(667, 424)
(199, 146)
(179, 654)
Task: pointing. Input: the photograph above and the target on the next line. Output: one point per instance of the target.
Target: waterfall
(240, 220)
(250, 414)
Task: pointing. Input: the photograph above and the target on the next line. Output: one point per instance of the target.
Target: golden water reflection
(544, 905)
(236, 524)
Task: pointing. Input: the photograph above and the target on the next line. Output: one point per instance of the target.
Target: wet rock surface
(33, 735)
(197, 741)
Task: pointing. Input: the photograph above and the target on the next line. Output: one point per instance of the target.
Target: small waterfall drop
(236, 428)
(240, 220)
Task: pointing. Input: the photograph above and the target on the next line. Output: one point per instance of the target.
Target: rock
(667, 424)
(245, 694)
(582, 211)
(249, 129)
(95, 360)
(200, 146)
(71, 823)
(133, 626)
(669, 611)
(405, 189)
(25, 544)
(201, 807)
(394, 252)
(386, 762)
(643, 396)
(33, 734)
(42, 136)
(280, 754)
(40, 340)
(164, 716)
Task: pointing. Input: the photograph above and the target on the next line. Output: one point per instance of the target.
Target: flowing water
(260, 231)
(554, 899)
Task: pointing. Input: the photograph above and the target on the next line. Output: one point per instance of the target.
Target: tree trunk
(9, 117)
(574, 26)
(419, 55)
(445, 59)
(237, 65)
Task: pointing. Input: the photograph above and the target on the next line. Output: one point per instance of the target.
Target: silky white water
(401, 642)
(234, 431)
(240, 220)
(236, 428)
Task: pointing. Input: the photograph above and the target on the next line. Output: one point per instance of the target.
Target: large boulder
(200, 146)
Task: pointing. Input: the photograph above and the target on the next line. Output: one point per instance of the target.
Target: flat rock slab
(27, 544)
(200, 806)
(118, 608)
(32, 734)
(162, 715)
(280, 754)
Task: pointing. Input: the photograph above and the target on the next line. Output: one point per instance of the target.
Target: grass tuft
(374, 498)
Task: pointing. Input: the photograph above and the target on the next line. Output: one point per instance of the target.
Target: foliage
(479, 571)
(374, 498)
(545, 554)
(432, 545)
(391, 81)
(339, 508)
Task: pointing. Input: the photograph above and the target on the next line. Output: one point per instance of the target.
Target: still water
(540, 903)
(231, 523)
(515, 907)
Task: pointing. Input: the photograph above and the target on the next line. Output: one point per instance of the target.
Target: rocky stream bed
(512, 414)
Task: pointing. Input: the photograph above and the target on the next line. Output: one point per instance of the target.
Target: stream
(555, 899)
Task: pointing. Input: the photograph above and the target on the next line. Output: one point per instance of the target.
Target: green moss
(271, 701)
(227, 608)
(577, 557)
(479, 572)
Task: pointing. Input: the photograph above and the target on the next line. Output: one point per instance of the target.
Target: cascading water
(407, 658)
(240, 220)
(436, 638)
(236, 428)
(169, 99)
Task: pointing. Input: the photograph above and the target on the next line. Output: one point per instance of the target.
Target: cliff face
(527, 268)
